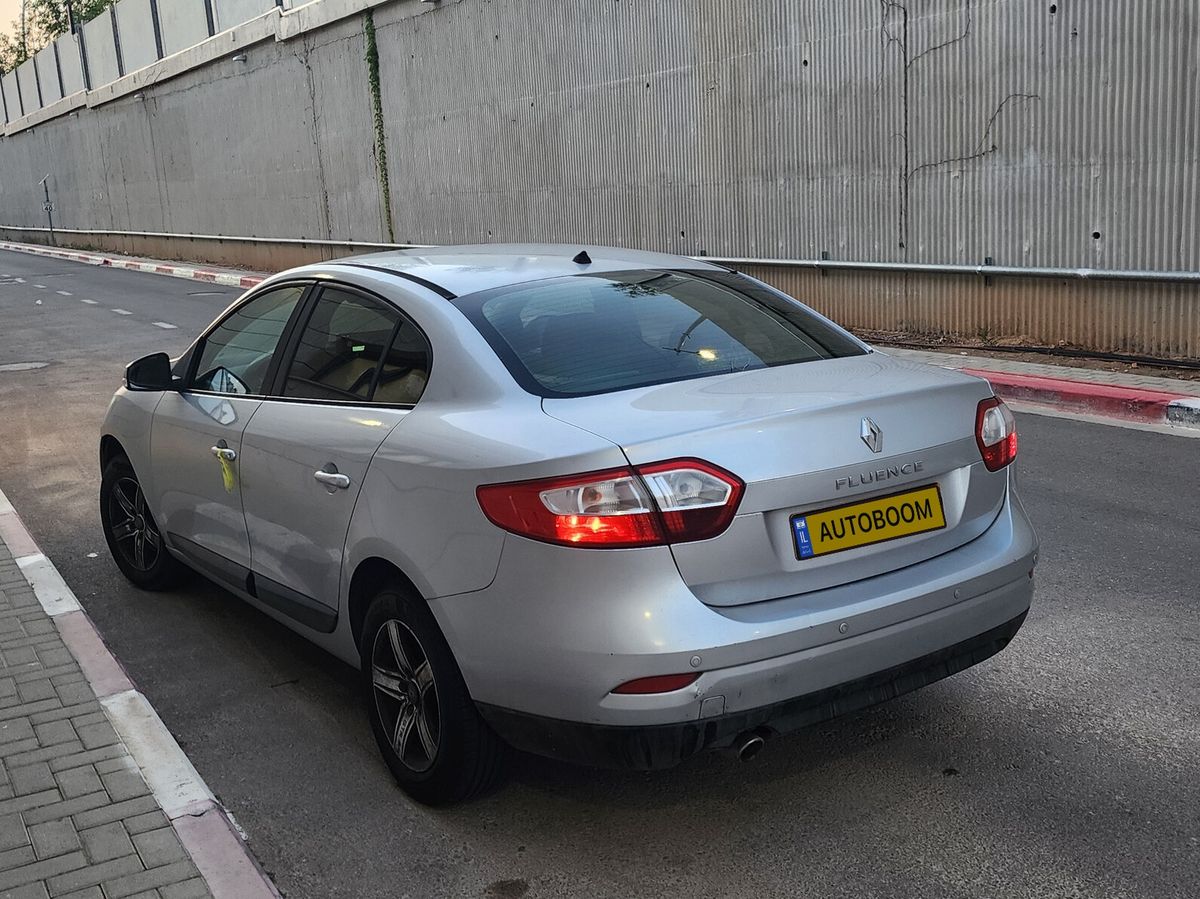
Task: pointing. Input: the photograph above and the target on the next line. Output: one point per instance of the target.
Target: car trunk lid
(795, 435)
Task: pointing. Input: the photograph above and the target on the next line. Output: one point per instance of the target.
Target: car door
(352, 372)
(196, 433)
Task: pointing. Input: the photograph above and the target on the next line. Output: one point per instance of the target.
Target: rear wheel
(132, 534)
(438, 748)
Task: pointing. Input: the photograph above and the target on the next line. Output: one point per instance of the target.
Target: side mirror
(151, 372)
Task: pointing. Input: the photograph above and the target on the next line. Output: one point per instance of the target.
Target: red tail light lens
(996, 433)
(663, 683)
(650, 505)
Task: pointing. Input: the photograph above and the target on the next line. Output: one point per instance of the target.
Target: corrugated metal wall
(927, 131)
(1034, 133)
(1155, 319)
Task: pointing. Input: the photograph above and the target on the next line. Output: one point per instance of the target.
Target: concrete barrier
(183, 23)
(101, 49)
(228, 13)
(27, 77)
(135, 29)
(70, 64)
(48, 78)
(12, 98)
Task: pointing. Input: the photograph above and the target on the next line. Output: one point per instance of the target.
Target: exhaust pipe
(746, 746)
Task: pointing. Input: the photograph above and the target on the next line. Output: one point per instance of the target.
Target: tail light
(996, 433)
(649, 505)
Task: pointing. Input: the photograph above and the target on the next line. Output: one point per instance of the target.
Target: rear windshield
(588, 334)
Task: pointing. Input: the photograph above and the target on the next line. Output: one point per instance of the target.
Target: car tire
(131, 532)
(430, 734)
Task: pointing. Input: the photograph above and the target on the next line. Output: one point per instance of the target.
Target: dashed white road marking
(91, 302)
(40, 286)
(166, 326)
(63, 293)
(20, 280)
(122, 312)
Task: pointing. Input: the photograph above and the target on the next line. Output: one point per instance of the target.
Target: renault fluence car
(608, 506)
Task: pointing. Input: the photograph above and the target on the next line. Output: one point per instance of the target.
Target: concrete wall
(28, 80)
(12, 100)
(778, 129)
(247, 157)
(228, 13)
(183, 23)
(48, 75)
(101, 49)
(70, 63)
(135, 26)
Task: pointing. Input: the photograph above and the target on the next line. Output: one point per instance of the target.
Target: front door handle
(332, 479)
(224, 452)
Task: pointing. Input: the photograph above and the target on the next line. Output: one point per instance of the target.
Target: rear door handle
(332, 479)
(224, 452)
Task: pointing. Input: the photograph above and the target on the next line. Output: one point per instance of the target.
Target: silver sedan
(608, 506)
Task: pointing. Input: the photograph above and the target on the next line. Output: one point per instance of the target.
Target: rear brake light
(996, 433)
(663, 683)
(649, 505)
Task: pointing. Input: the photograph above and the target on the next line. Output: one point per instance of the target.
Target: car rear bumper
(663, 746)
(561, 628)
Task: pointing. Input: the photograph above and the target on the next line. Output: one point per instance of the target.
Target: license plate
(864, 523)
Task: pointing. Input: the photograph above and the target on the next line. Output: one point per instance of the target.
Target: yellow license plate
(873, 521)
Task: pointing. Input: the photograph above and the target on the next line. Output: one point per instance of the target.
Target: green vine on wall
(372, 57)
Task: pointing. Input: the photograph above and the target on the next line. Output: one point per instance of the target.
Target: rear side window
(589, 334)
(356, 349)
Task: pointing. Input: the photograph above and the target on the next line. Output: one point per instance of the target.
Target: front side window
(588, 334)
(237, 353)
(356, 349)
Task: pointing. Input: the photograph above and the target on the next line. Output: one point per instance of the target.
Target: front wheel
(132, 534)
(438, 748)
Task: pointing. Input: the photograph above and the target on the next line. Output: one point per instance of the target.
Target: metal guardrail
(986, 271)
(234, 238)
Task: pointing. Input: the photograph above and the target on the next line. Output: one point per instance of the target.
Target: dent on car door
(347, 379)
(196, 434)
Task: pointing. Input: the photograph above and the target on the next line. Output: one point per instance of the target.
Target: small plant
(372, 59)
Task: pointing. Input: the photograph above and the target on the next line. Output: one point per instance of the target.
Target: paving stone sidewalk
(1071, 373)
(76, 817)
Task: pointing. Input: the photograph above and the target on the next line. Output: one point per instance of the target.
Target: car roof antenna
(582, 258)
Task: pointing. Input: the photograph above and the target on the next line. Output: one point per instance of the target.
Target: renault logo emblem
(872, 436)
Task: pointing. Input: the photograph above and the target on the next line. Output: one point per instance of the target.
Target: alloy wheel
(132, 527)
(406, 695)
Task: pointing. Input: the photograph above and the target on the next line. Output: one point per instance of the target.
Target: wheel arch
(110, 448)
(369, 576)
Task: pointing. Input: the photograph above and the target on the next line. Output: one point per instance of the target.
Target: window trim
(197, 349)
(278, 375)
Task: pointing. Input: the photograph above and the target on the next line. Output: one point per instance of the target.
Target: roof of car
(461, 270)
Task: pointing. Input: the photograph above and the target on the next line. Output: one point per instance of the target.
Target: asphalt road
(1065, 766)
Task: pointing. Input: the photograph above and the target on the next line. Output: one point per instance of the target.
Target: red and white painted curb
(1108, 400)
(225, 279)
(204, 826)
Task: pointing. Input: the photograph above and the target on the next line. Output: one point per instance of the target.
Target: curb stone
(225, 279)
(1114, 401)
(203, 825)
